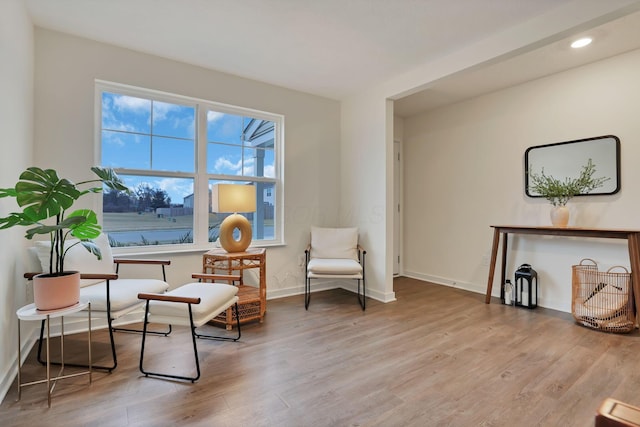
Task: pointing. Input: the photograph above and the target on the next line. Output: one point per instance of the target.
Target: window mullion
(201, 185)
(151, 137)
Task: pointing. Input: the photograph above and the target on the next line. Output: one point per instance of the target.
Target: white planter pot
(559, 216)
(52, 292)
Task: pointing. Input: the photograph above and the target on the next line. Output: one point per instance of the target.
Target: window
(170, 150)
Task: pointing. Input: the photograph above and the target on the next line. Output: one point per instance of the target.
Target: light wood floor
(436, 357)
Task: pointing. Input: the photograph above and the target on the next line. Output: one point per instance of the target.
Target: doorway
(397, 198)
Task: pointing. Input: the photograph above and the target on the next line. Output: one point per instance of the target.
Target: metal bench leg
(219, 338)
(194, 335)
(195, 350)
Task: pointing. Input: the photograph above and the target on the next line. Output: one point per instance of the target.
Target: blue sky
(140, 134)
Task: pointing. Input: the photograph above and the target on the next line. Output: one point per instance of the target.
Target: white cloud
(270, 171)
(130, 103)
(113, 140)
(177, 188)
(162, 109)
(109, 104)
(118, 125)
(212, 116)
(223, 164)
(249, 170)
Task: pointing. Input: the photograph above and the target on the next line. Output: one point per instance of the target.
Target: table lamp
(234, 198)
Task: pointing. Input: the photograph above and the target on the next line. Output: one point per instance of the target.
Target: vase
(559, 216)
(55, 291)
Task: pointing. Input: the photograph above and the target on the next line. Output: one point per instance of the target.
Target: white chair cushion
(80, 259)
(214, 299)
(334, 266)
(334, 242)
(124, 293)
(33, 264)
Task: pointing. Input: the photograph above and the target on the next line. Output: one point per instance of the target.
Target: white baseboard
(480, 289)
(352, 286)
(316, 286)
(26, 345)
(321, 285)
(446, 282)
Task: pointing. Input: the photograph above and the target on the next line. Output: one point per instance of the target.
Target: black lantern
(526, 287)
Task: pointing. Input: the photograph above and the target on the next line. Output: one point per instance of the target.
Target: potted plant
(42, 195)
(560, 192)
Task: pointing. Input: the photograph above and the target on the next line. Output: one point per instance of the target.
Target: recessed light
(581, 42)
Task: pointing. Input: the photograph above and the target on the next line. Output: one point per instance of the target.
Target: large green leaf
(44, 192)
(110, 179)
(28, 217)
(13, 219)
(7, 192)
(71, 222)
(92, 247)
(87, 229)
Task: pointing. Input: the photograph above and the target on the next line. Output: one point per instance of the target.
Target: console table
(252, 302)
(632, 237)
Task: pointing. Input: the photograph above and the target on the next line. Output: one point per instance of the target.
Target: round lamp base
(227, 228)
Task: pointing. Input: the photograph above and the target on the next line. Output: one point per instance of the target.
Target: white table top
(29, 312)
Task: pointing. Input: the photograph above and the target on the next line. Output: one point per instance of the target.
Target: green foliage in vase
(560, 192)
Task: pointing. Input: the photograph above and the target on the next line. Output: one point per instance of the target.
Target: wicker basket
(602, 300)
(250, 310)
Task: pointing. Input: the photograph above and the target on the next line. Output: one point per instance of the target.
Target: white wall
(368, 129)
(65, 73)
(16, 141)
(367, 181)
(465, 171)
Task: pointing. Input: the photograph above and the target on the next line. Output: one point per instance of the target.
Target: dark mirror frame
(566, 159)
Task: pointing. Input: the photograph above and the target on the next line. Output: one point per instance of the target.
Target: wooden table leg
(503, 269)
(263, 287)
(492, 265)
(634, 260)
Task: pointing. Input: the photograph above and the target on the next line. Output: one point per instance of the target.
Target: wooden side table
(29, 312)
(252, 301)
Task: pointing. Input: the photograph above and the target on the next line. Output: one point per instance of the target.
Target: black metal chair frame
(307, 283)
(165, 333)
(107, 278)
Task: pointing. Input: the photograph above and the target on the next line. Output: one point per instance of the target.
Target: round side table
(28, 313)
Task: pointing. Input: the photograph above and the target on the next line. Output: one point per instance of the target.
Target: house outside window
(170, 150)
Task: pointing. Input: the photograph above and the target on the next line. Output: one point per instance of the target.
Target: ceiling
(332, 48)
(610, 39)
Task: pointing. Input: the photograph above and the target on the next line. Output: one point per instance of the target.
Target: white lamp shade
(233, 198)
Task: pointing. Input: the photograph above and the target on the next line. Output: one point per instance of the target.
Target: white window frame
(200, 176)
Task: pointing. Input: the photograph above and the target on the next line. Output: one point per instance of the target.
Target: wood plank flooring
(437, 357)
